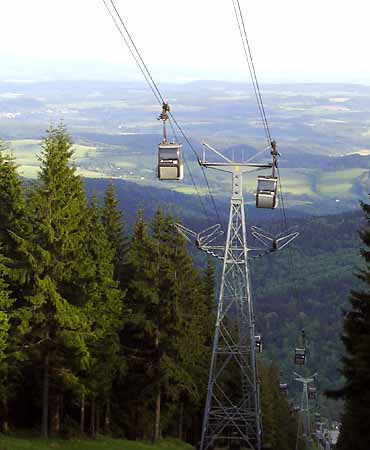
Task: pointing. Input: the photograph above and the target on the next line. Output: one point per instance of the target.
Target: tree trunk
(92, 418)
(157, 427)
(5, 426)
(97, 420)
(82, 414)
(55, 416)
(45, 397)
(136, 426)
(61, 412)
(181, 420)
(107, 418)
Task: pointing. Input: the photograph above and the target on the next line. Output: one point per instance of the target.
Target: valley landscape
(323, 134)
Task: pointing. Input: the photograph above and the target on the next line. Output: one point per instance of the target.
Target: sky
(291, 40)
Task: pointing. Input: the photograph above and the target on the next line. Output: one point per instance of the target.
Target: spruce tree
(59, 268)
(105, 311)
(355, 431)
(6, 304)
(267, 407)
(183, 326)
(12, 219)
(167, 338)
(115, 228)
(138, 336)
(13, 223)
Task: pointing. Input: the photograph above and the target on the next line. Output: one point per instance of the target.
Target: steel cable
(154, 88)
(248, 54)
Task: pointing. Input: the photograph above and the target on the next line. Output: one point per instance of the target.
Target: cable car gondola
(267, 192)
(258, 342)
(300, 356)
(170, 163)
(312, 393)
(300, 352)
(266, 196)
(284, 389)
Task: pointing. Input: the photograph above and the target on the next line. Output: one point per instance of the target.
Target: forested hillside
(104, 329)
(287, 298)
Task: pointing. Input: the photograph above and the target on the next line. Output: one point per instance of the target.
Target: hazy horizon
(290, 42)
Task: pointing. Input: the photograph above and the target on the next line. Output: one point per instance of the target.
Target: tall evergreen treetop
(58, 215)
(115, 228)
(60, 267)
(11, 195)
(104, 309)
(12, 217)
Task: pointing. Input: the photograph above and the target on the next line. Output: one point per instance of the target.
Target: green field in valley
(301, 186)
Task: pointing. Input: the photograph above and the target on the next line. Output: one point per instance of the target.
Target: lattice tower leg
(232, 411)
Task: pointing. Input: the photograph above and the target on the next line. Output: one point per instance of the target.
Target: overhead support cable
(134, 52)
(248, 55)
(127, 38)
(252, 70)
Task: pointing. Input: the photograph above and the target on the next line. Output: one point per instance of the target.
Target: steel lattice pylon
(304, 411)
(232, 412)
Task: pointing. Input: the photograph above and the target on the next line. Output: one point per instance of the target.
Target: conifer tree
(267, 407)
(285, 424)
(169, 332)
(13, 268)
(355, 431)
(115, 229)
(6, 304)
(280, 425)
(138, 336)
(12, 219)
(183, 326)
(104, 309)
(59, 267)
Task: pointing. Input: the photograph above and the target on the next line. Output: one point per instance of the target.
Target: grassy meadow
(33, 443)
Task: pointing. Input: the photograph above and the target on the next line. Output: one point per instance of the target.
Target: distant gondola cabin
(267, 192)
(284, 388)
(312, 393)
(258, 342)
(300, 356)
(170, 163)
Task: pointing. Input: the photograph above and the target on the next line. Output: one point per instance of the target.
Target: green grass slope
(24, 443)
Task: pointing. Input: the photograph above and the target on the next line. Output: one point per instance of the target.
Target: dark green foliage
(13, 220)
(104, 309)
(12, 211)
(5, 316)
(280, 423)
(167, 338)
(355, 432)
(115, 230)
(13, 223)
(58, 293)
(125, 328)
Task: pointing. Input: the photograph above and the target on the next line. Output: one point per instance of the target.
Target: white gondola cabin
(170, 163)
(300, 356)
(312, 393)
(284, 389)
(258, 342)
(266, 196)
